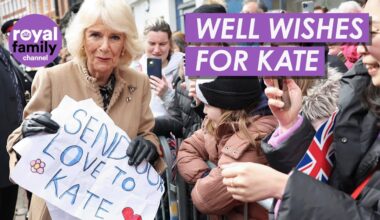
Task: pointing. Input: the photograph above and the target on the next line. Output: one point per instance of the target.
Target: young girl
(237, 119)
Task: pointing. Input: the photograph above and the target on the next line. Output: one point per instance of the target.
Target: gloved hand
(140, 149)
(38, 122)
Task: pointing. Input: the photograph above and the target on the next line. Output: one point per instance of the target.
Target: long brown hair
(232, 117)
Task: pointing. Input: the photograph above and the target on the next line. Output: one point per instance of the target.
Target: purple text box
(255, 61)
(297, 27)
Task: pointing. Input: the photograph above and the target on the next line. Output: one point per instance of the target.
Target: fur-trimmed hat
(8, 26)
(321, 99)
(230, 93)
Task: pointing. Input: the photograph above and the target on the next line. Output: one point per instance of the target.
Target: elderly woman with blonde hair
(103, 40)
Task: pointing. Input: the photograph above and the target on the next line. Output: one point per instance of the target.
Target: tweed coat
(129, 107)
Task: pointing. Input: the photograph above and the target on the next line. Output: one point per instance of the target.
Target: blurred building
(146, 9)
(13, 9)
(54, 9)
(173, 11)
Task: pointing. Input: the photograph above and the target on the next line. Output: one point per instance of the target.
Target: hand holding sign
(39, 122)
(82, 168)
(140, 149)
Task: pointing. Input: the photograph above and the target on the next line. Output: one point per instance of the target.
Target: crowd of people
(240, 145)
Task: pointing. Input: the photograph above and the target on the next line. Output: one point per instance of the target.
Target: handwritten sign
(83, 169)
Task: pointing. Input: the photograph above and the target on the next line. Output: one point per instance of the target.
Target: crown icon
(25, 34)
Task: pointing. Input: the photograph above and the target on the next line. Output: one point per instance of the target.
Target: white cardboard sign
(83, 169)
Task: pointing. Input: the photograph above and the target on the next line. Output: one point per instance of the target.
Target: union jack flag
(320, 157)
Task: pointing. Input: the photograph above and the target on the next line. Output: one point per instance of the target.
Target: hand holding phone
(154, 67)
(281, 84)
(307, 6)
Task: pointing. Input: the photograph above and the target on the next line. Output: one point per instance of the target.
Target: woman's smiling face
(103, 47)
(371, 52)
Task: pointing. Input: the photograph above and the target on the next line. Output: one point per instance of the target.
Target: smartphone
(281, 84)
(154, 67)
(307, 6)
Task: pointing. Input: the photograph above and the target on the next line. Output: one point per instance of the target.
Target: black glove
(38, 122)
(140, 149)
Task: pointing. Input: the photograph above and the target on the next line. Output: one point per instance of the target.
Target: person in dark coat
(182, 119)
(353, 188)
(7, 27)
(11, 102)
(26, 78)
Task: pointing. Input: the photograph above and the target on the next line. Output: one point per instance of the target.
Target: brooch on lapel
(131, 90)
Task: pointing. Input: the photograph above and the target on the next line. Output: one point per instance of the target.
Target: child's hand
(285, 118)
(192, 92)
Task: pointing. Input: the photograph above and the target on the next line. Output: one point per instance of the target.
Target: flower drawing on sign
(37, 166)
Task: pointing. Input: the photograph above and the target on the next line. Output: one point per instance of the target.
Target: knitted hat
(8, 26)
(230, 93)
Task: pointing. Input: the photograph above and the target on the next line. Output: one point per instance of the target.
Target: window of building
(40, 8)
(8, 8)
(46, 6)
(52, 5)
(32, 6)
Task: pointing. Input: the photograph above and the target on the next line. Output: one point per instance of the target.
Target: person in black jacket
(182, 119)
(12, 102)
(353, 188)
(26, 78)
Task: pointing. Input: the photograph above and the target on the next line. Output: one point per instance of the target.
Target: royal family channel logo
(35, 40)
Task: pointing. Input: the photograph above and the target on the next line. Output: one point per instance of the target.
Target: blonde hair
(304, 83)
(178, 38)
(241, 117)
(117, 15)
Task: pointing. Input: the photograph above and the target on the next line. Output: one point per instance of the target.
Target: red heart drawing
(128, 214)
